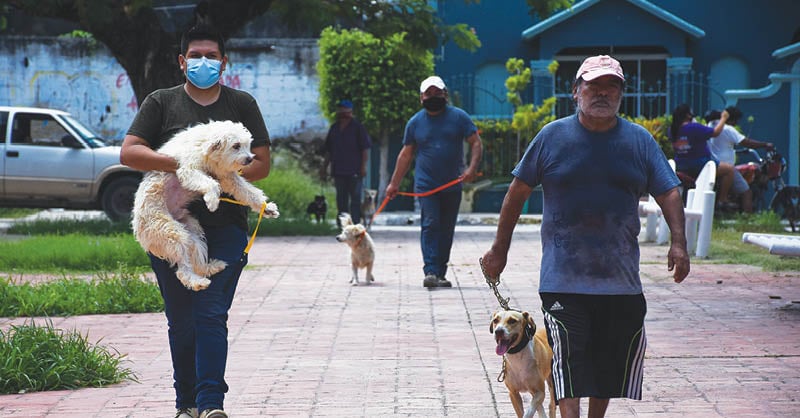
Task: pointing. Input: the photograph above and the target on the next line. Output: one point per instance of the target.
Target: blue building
(709, 53)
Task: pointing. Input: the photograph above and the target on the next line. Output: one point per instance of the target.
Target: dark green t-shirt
(166, 112)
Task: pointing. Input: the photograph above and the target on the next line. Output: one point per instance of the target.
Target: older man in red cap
(593, 167)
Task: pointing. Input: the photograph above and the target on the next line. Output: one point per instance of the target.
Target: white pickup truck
(50, 160)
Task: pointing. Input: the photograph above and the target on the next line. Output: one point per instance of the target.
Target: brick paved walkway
(303, 342)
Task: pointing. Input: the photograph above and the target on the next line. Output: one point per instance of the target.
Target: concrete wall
(87, 81)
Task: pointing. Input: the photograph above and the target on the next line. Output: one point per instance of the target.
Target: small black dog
(786, 203)
(318, 208)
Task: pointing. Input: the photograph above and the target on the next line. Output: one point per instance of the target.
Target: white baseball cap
(599, 66)
(432, 81)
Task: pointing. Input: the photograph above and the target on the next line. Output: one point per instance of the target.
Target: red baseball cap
(599, 66)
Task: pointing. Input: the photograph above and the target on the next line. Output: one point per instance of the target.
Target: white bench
(788, 245)
(699, 212)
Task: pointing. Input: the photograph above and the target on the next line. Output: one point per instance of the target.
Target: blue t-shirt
(345, 147)
(440, 146)
(691, 147)
(592, 182)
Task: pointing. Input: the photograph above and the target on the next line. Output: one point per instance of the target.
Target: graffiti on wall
(96, 89)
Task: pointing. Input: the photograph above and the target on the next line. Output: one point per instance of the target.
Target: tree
(380, 76)
(528, 119)
(147, 51)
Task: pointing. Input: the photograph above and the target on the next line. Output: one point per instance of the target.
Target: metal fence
(486, 100)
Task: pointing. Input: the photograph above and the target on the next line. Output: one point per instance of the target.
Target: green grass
(70, 226)
(73, 253)
(727, 246)
(14, 213)
(34, 358)
(105, 294)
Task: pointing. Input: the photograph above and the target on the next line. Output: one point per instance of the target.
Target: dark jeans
(197, 321)
(348, 195)
(439, 213)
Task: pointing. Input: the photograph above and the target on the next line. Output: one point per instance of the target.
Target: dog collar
(361, 238)
(524, 343)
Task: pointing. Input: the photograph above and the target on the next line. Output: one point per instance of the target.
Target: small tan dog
(527, 360)
(362, 249)
(368, 207)
(209, 157)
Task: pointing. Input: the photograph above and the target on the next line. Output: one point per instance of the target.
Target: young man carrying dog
(593, 167)
(197, 321)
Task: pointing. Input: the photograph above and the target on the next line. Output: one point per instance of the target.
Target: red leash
(423, 194)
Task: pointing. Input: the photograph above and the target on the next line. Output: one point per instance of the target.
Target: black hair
(712, 115)
(202, 32)
(734, 115)
(678, 116)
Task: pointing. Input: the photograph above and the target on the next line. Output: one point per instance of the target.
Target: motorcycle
(763, 174)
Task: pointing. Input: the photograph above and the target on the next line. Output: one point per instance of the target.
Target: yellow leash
(260, 216)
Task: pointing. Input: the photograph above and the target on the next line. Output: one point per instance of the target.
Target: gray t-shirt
(165, 112)
(592, 183)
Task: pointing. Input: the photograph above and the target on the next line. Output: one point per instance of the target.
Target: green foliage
(658, 128)
(380, 18)
(293, 188)
(545, 8)
(122, 293)
(528, 119)
(379, 75)
(72, 252)
(500, 148)
(44, 358)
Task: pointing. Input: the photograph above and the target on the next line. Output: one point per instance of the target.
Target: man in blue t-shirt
(346, 148)
(436, 136)
(593, 167)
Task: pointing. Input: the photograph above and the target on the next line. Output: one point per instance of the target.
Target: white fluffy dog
(362, 249)
(209, 157)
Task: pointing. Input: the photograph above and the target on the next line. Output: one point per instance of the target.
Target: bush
(44, 358)
(293, 188)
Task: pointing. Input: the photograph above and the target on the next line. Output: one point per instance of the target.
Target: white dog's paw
(191, 281)
(200, 284)
(212, 200)
(271, 211)
(213, 267)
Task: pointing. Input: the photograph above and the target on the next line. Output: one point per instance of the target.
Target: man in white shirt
(722, 146)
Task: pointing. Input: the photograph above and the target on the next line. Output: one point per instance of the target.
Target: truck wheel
(117, 199)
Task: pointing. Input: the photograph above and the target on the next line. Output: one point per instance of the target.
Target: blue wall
(744, 30)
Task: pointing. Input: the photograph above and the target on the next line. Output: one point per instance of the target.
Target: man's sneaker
(186, 413)
(213, 413)
(442, 282)
(430, 281)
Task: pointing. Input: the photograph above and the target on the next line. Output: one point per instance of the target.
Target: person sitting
(722, 147)
(690, 143)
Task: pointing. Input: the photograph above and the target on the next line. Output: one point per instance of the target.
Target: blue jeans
(348, 195)
(197, 321)
(439, 213)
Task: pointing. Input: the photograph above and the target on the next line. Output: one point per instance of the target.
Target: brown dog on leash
(527, 360)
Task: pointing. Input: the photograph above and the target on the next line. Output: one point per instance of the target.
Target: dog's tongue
(502, 347)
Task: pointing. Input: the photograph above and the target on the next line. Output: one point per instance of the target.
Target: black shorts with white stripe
(598, 344)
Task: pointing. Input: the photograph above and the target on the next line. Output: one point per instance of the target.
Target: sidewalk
(303, 342)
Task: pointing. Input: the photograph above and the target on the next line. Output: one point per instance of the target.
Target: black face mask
(434, 104)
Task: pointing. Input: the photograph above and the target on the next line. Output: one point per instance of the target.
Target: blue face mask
(202, 72)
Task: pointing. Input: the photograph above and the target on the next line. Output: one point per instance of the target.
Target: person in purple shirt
(346, 148)
(690, 143)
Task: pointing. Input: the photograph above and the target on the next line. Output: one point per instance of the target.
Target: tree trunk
(135, 37)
